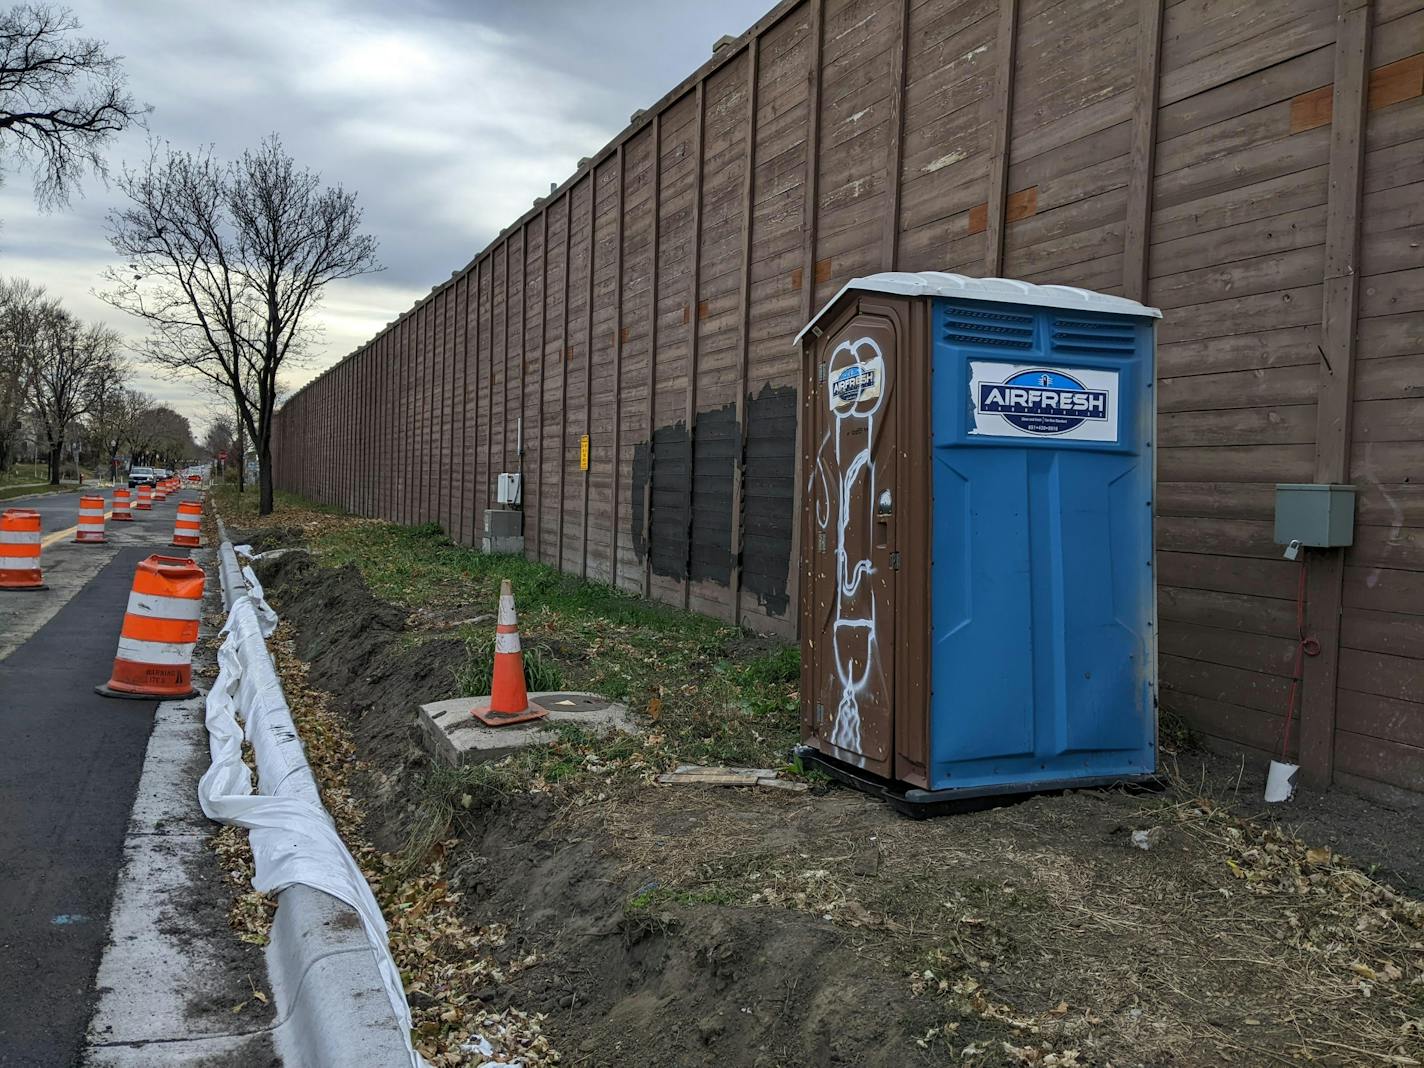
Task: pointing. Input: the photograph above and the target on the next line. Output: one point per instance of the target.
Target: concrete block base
(503, 531)
(513, 544)
(452, 735)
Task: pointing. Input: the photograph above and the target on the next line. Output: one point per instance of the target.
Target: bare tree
(113, 412)
(226, 263)
(220, 438)
(161, 436)
(62, 98)
(70, 358)
(21, 307)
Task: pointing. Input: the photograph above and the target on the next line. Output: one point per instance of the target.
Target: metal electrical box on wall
(977, 588)
(510, 489)
(1316, 514)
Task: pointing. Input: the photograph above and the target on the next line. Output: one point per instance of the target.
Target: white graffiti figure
(855, 380)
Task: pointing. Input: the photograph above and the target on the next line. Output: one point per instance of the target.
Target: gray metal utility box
(1315, 514)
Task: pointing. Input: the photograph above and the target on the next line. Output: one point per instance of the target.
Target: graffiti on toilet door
(852, 505)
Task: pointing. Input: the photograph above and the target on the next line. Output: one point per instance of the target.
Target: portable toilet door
(863, 402)
(977, 598)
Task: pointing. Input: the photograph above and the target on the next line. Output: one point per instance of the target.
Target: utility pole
(241, 453)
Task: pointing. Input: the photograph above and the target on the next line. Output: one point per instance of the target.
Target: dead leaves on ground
(450, 969)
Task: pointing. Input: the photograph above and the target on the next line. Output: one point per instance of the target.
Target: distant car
(142, 476)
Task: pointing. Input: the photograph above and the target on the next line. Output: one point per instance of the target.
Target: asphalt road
(57, 510)
(69, 767)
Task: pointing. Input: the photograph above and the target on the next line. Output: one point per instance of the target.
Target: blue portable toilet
(977, 597)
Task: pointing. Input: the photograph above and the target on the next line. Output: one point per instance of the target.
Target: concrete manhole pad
(451, 734)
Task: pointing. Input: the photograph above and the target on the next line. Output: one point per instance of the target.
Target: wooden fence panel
(1254, 170)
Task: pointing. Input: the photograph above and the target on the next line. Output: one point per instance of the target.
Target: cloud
(448, 118)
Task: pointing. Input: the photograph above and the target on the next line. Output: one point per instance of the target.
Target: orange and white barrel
(91, 521)
(121, 506)
(160, 492)
(155, 656)
(20, 550)
(145, 499)
(188, 525)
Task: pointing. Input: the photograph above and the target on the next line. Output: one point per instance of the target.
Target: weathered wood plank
(1142, 168)
(996, 206)
(1228, 574)
(1261, 425)
(1256, 690)
(1335, 406)
(1233, 500)
(1395, 763)
(1387, 718)
(1237, 612)
(1267, 654)
(1218, 537)
(1237, 463)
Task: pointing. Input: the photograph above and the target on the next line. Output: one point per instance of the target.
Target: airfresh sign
(1043, 402)
(1024, 401)
(854, 383)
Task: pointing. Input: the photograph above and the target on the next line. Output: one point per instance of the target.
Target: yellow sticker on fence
(583, 453)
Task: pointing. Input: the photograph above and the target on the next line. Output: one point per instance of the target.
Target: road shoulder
(176, 985)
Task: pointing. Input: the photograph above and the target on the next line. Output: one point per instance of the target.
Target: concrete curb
(325, 982)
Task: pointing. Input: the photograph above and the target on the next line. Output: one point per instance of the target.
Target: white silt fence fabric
(292, 835)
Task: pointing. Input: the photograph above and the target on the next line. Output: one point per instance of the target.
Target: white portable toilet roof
(999, 290)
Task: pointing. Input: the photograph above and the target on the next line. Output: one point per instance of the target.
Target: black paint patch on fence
(768, 496)
(716, 440)
(669, 527)
(638, 497)
(699, 544)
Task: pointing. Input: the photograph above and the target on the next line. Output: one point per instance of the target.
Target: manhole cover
(572, 702)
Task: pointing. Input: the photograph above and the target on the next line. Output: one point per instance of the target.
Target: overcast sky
(447, 118)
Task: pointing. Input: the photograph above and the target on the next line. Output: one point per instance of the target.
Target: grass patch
(238, 507)
(716, 694)
(653, 898)
(475, 676)
(24, 474)
(8, 492)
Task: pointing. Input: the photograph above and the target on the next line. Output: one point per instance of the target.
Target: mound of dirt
(685, 983)
(358, 649)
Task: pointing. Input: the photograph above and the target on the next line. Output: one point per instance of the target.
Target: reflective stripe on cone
(188, 525)
(155, 652)
(20, 550)
(91, 521)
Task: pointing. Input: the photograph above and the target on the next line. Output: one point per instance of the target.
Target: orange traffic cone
(509, 700)
(155, 657)
(20, 550)
(121, 506)
(145, 499)
(160, 492)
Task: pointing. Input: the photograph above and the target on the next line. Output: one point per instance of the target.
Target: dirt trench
(690, 983)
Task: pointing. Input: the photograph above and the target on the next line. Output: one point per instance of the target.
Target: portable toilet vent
(977, 594)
